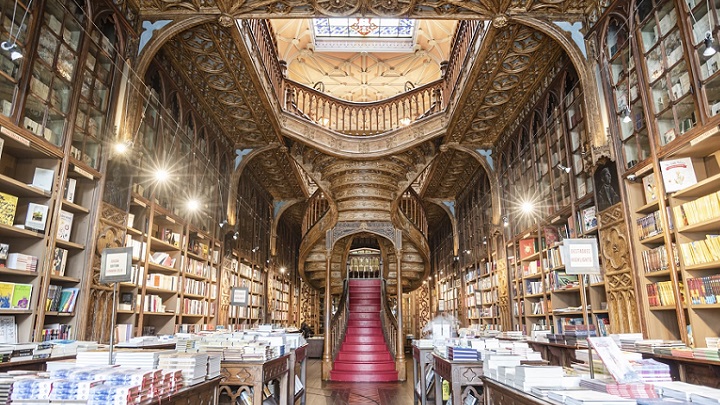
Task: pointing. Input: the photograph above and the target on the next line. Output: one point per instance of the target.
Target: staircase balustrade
(389, 322)
(317, 207)
(412, 207)
(361, 118)
(339, 322)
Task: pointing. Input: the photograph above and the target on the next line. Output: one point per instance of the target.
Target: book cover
(21, 296)
(649, 188)
(68, 297)
(527, 248)
(65, 225)
(8, 206)
(36, 217)
(589, 219)
(6, 291)
(552, 236)
(4, 251)
(678, 174)
(59, 261)
(43, 179)
(69, 194)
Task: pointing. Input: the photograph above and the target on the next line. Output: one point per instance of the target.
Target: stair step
(376, 376)
(362, 347)
(351, 330)
(366, 282)
(370, 294)
(364, 357)
(363, 315)
(359, 302)
(365, 308)
(372, 367)
(369, 323)
(371, 339)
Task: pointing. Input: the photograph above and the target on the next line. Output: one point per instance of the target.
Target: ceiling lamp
(709, 49)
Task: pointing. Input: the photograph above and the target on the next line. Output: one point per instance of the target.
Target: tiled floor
(337, 393)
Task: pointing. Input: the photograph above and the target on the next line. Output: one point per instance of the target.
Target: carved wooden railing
(463, 40)
(412, 207)
(338, 324)
(361, 119)
(389, 322)
(355, 118)
(317, 207)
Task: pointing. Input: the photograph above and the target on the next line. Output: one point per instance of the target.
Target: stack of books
(147, 359)
(588, 397)
(527, 377)
(457, 353)
(625, 390)
(194, 366)
(213, 365)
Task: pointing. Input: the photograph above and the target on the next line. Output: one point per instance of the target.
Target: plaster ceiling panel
(366, 75)
(275, 171)
(452, 171)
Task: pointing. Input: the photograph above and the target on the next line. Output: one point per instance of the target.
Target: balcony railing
(356, 118)
(412, 207)
(316, 208)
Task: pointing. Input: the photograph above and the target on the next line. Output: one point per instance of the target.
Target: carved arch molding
(227, 11)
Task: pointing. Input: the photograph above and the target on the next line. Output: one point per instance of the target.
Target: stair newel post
(327, 349)
(400, 351)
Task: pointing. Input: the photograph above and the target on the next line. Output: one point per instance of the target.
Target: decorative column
(327, 351)
(400, 351)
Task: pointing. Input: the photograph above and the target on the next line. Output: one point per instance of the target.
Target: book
(4, 250)
(527, 248)
(59, 261)
(68, 298)
(8, 328)
(36, 217)
(64, 225)
(43, 179)
(552, 236)
(589, 219)
(649, 188)
(678, 174)
(6, 290)
(20, 261)
(21, 296)
(8, 206)
(69, 194)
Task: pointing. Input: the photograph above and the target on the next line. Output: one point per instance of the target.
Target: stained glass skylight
(363, 27)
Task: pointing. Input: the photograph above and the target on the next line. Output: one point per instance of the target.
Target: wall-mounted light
(626, 115)
(236, 235)
(467, 251)
(223, 223)
(709, 48)
(563, 168)
(505, 222)
(193, 204)
(282, 270)
(484, 240)
(255, 249)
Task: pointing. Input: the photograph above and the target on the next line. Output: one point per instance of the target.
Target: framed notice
(239, 296)
(116, 265)
(580, 256)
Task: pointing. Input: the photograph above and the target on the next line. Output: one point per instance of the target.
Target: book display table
(204, 393)
(32, 365)
(497, 393)
(422, 363)
(465, 377)
(298, 358)
(558, 354)
(242, 379)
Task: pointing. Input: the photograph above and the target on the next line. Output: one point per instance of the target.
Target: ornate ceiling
(363, 76)
(511, 64)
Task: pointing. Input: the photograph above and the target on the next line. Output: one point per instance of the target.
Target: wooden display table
(205, 393)
(422, 362)
(465, 377)
(298, 357)
(31, 365)
(497, 393)
(239, 377)
(558, 354)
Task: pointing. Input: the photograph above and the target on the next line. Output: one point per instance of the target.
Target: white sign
(580, 256)
(239, 296)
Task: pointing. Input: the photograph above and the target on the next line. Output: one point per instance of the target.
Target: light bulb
(626, 116)
(193, 204)
(161, 175)
(709, 49)
(527, 207)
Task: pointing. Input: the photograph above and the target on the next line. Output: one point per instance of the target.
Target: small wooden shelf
(16, 311)
(655, 239)
(536, 316)
(661, 273)
(195, 276)
(72, 207)
(538, 295)
(6, 230)
(662, 308)
(156, 290)
(710, 225)
(194, 296)
(701, 188)
(648, 208)
(69, 245)
(21, 273)
(703, 266)
(159, 313)
(66, 279)
(705, 306)
(56, 313)
(160, 245)
(161, 268)
(19, 189)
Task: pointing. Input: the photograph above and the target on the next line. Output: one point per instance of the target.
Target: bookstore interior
(489, 202)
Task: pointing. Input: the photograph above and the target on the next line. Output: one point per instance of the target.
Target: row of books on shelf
(661, 293)
(198, 268)
(61, 299)
(196, 287)
(244, 312)
(35, 214)
(44, 179)
(168, 235)
(194, 307)
(248, 272)
(162, 281)
(651, 225)
(163, 259)
(561, 280)
(554, 258)
(699, 210)
(656, 259)
(701, 251)
(533, 287)
(482, 269)
(15, 296)
(540, 308)
(704, 290)
(531, 268)
(56, 331)
(487, 283)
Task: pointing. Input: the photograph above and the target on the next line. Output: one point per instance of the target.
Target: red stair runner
(364, 356)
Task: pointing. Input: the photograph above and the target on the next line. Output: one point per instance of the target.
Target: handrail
(389, 322)
(411, 206)
(361, 118)
(317, 207)
(338, 325)
(367, 118)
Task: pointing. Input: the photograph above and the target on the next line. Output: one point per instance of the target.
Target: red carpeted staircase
(364, 355)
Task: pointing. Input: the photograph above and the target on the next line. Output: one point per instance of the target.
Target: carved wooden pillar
(424, 308)
(327, 351)
(619, 280)
(504, 295)
(400, 352)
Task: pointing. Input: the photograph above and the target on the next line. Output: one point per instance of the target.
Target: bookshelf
(279, 298)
